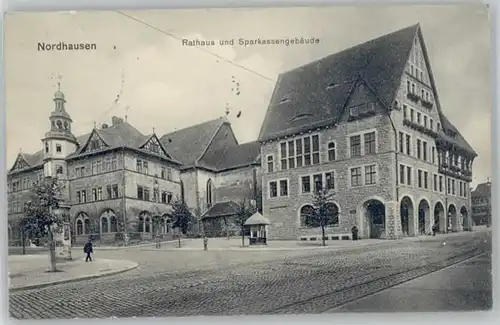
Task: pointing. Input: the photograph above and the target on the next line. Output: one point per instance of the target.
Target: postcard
(248, 161)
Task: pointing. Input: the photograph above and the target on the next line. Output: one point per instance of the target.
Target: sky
(166, 86)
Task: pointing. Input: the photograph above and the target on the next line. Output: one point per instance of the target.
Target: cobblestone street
(169, 283)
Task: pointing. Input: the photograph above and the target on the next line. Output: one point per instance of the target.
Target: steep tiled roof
(188, 145)
(482, 190)
(35, 159)
(221, 209)
(315, 94)
(458, 139)
(241, 155)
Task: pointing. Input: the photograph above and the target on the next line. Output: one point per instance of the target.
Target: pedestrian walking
(87, 249)
(435, 229)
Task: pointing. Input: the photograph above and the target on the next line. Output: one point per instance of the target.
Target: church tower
(59, 142)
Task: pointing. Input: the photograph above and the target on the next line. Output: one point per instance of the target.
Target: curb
(83, 278)
(316, 248)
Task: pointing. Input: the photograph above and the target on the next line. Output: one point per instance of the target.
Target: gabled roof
(189, 144)
(482, 190)
(257, 219)
(314, 95)
(221, 209)
(226, 158)
(458, 139)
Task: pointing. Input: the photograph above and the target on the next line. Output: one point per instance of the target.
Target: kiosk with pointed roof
(258, 225)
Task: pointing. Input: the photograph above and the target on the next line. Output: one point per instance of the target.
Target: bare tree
(324, 211)
(244, 212)
(41, 217)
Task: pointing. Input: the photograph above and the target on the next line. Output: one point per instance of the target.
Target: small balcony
(426, 104)
(413, 97)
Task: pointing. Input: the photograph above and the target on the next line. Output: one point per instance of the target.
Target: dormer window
(284, 100)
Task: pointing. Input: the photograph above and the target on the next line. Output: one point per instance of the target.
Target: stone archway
(373, 219)
(424, 216)
(466, 222)
(439, 217)
(452, 222)
(407, 217)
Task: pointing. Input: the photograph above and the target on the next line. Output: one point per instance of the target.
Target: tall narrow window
(331, 151)
(401, 142)
(284, 161)
(370, 175)
(318, 182)
(298, 153)
(315, 149)
(370, 147)
(424, 149)
(209, 192)
(306, 184)
(408, 144)
(284, 188)
(330, 181)
(356, 176)
(419, 149)
(355, 142)
(270, 164)
(273, 189)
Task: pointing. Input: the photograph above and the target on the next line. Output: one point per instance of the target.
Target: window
(99, 193)
(115, 190)
(355, 142)
(169, 174)
(109, 191)
(145, 167)
(163, 197)
(58, 148)
(412, 115)
(431, 122)
(79, 196)
(140, 193)
(356, 176)
(59, 170)
(424, 149)
(46, 147)
(438, 126)
(426, 180)
(94, 194)
(169, 198)
(461, 189)
(163, 173)
(405, 112)
(318, 182)
(370, 175)
(302, 152)
(369, 143)
(331, 151)
(435, 183)
(402, 171)
(139, 166)
(94, 168)
(273, 189)
(408, 144)
(330, 180)
(419, 146)
(425, 121)
(449, 186)
(283, 187)
(433, 155)
(440, 183)
(298, 153)
(270, 164)
(401, 142)
(306, 184)
(291, 154)
(419, 118)
(99, 166)
(146, 194)
(419, 179)
(453, 187)
(114, 163)
(79, 171)
(84, 196)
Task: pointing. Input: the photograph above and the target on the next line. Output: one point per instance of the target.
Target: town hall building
(118, 181)
(366, 124)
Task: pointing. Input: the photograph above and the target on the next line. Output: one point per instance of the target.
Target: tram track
(333, 299)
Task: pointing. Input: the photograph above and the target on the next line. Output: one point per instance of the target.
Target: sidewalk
(234, 244)
(465, 286)
(30, 271)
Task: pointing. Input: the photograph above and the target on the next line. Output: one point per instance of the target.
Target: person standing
(87, 249)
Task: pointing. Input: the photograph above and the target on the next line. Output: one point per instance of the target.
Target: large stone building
(481, 204)
(367, 124)
(117, 179)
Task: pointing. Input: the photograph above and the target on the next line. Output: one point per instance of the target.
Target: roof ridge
(378, 38)
(223, 119)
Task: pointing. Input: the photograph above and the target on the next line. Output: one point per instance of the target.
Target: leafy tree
(324, 211)
(182, 217)
(41, 219)
(244, 212)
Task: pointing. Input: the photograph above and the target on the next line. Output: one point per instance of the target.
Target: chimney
(116, 120)
(104, 126)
